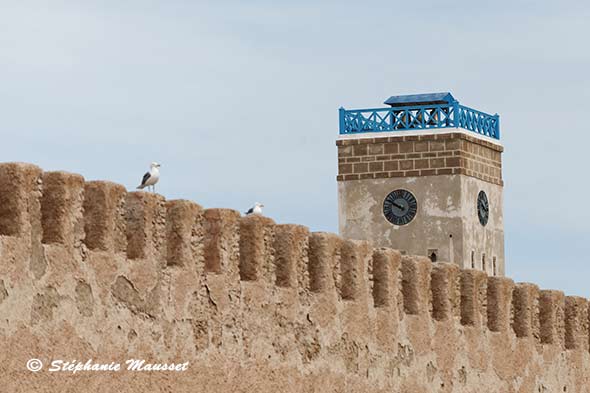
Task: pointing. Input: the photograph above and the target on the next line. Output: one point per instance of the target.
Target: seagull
(256, 209)
(150, 178)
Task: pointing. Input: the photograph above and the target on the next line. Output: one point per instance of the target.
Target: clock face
(400, 207)
(483, 208)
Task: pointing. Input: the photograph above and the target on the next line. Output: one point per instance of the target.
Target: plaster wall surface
(437, 225)
(446, 220)
(90, 271)
(485, 244)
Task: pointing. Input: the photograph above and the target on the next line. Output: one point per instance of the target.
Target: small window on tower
(473, 259)
(432, 254)
(483, 262)
(494, 265)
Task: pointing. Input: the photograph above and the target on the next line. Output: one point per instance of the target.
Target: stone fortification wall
(90, 271)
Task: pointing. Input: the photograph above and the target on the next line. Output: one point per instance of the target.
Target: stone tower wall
(454, 153)
(445, 170)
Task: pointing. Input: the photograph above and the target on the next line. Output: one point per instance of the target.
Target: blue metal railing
(419, 117)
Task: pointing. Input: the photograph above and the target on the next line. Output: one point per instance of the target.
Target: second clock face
(400, 207)
(483, 208)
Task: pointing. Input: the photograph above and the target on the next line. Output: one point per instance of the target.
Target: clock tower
(424, 176)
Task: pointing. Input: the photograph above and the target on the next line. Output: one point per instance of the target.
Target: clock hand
(398, 205)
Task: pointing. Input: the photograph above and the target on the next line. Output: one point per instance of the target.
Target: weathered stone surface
(476, 157)
(254, 306)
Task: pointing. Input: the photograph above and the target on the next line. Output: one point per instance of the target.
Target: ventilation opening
(483, 262)
(494, 265)
(473, 259)
(451, 250)
(432, 254)
(403, 252)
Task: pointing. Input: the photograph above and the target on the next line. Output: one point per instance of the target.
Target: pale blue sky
(238, 101)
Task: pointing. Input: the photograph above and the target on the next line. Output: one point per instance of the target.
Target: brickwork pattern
(419, 155)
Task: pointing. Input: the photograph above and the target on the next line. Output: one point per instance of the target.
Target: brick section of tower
(419, 155)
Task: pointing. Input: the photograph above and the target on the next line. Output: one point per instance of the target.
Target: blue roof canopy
(419, 112)
(420, 99)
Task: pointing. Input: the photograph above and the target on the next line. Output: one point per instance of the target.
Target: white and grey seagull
(256, 209)
(151, 178)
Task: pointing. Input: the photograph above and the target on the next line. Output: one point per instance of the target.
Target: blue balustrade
(419, 117)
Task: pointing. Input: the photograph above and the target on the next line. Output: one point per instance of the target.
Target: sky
(239, 101)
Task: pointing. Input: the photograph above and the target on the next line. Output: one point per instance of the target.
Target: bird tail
(140, 187)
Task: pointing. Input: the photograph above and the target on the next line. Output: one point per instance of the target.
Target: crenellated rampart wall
(91, 271)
